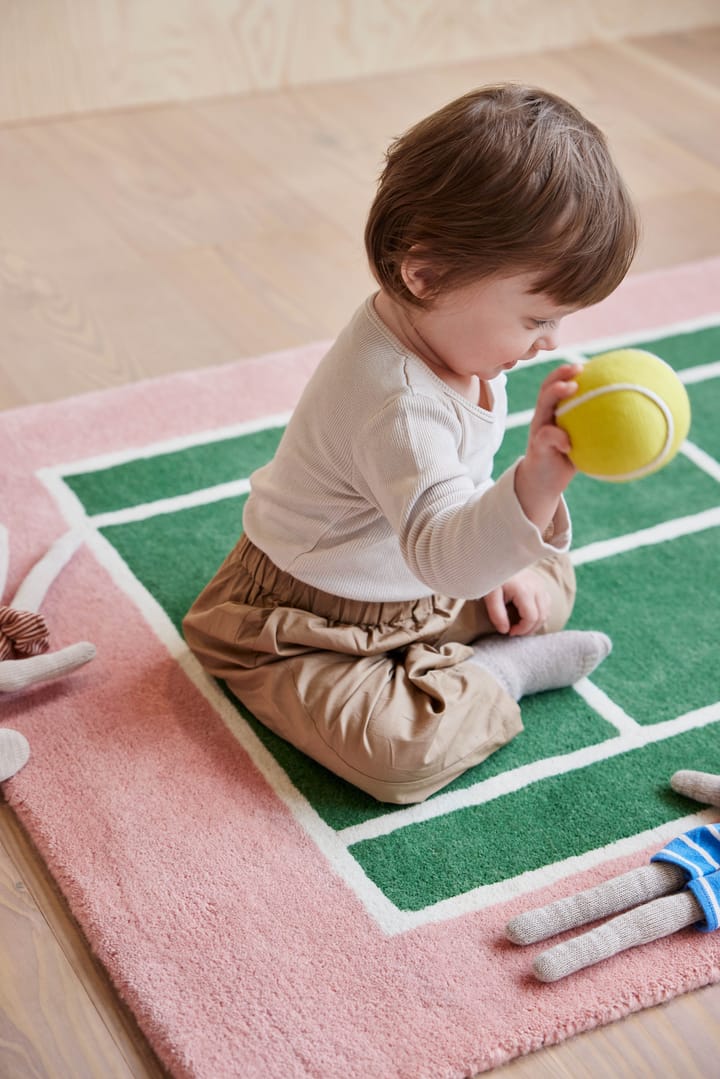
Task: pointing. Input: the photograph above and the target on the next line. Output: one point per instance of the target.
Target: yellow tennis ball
(628, 417)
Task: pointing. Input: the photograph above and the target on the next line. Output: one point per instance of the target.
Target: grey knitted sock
(525, 665)
(639, 926)
(612, 896)
(14, 752)
(702, 786)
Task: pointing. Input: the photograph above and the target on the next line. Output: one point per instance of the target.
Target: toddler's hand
(546, 470)
(527, 592)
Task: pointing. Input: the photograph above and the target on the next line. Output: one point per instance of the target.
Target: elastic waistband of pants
(282, 589)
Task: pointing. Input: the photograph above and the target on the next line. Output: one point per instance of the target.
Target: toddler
(389, 603)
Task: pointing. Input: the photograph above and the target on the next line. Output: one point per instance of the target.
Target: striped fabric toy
(698, 854)
(22, 633)
(680, 887)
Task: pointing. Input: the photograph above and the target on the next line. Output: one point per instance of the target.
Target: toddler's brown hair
(506, 179)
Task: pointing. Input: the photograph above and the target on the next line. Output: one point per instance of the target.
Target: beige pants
(382, 694)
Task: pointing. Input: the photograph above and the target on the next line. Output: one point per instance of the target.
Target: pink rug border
(312, 987)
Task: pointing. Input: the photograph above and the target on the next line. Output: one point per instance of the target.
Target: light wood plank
(81, 307)
(690, 54)
(79, 56)
(183, 237)
(677, 1040)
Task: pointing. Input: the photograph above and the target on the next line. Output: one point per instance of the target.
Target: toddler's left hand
(527, 592)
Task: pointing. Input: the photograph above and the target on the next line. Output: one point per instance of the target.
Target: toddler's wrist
(538, 499)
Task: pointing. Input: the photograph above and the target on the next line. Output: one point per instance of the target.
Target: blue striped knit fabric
(698, 853)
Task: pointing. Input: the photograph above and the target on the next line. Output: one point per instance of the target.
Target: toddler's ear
(702, 786)
(418, 274)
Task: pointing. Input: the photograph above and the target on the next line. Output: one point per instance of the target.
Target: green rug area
(652, 599)
(178, 472)
(553, 819)
(176, 581)
(683, 350)
(705, 401)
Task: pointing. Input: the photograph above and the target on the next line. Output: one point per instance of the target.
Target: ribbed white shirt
(381, 486)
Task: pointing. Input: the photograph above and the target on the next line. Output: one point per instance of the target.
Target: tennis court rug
(261, 918)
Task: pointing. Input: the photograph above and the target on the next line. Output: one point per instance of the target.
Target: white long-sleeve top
(381, 488)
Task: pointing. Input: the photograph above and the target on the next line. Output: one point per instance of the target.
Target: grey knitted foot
(649, 922)
(14, 752)
(18, 674)
(524, 665)
(701, 786)
(640, 885)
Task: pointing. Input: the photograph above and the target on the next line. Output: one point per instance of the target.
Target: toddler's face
(487, 327)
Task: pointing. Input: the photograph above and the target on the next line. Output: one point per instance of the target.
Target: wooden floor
(148, 241)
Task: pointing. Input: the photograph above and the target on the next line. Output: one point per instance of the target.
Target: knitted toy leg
(649, 922)
(33, 589)
(620, 893)
(14, 752)
(18, 674)
(701, 786)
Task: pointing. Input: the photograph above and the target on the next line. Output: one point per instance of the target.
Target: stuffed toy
(25, 658)
(680, 887)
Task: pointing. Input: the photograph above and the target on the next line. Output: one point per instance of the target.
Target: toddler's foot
(524, 665)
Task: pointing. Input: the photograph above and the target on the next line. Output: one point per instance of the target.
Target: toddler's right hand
(546, 470)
